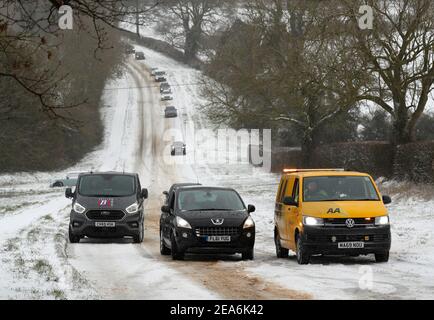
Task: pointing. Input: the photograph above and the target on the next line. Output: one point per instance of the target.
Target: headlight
(132, 208)
(382, 221)
(182, 223)
(249, 223)
(311, 221)
(78, 208)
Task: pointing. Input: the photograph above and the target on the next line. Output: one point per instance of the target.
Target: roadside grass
(11, 245)
(12, 208)
(58, 294)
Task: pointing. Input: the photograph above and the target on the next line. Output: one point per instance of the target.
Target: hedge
(415, 162)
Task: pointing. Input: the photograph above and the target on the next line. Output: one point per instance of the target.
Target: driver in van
(312, 191)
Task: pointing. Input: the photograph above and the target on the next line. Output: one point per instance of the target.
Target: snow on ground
(37, 262)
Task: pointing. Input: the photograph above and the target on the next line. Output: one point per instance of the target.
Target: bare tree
(29, 36)
(282, 66)
(399, 55)
(187, 21)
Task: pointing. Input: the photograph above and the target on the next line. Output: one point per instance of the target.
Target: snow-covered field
(37, 262)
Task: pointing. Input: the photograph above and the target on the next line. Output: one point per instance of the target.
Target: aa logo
(66, 19)
(331, 210)
(366, 21)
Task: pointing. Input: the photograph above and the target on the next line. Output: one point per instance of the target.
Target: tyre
(176, 255)
(139, 238)
(280, 251)
(165, 251)
(72, 237)
(248, 255)
(382, 257)
(303, 257)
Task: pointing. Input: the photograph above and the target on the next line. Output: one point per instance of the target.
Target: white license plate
(351, 245)
(105, 224)
(218, 239)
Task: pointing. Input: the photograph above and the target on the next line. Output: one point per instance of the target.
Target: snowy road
(37, 261)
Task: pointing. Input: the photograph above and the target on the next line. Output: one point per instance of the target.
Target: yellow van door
(293, 213)
(285, 211)
(278, 212)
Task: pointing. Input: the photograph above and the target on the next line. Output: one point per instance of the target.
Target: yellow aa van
(330, 212)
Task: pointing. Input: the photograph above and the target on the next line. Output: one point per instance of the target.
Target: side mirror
(387, 199)
(289, 201)
(251, 208)
(165, 209)
(68, 193)
(144, 193)
(166, 193)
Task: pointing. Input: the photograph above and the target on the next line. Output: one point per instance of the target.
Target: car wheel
(382, 257)
(280, 252)
(72, 237)
(303, 257)
(248, 255)
(165, 251)
(139, 238)
(176, 255)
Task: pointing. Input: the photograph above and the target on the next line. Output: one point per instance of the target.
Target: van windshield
(339, 188)
(107, 185)
(208, 199)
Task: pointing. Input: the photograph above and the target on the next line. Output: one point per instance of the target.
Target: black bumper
(127, 227)
(319, 240)
(188, 241)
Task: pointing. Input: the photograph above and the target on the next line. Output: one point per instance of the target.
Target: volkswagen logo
(350, 223)
(217, 222)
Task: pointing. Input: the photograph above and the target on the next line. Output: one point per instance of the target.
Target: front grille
(349, 237)
(217, 231)
(340, 222)
(109, 215)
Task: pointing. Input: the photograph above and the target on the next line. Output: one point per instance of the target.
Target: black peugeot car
(199, 219)
(107, 205)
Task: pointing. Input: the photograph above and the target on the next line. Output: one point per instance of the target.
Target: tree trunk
(191, 46)
(402, 132)
(307, 148)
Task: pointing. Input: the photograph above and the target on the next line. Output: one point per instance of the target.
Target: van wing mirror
(144, 193)
(68, 193)
(251, 208)
(289, 201)
(387, 200)
(165, 209)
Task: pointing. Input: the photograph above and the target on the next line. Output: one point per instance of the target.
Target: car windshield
(107, 185)
(339, 188)
(209, 199)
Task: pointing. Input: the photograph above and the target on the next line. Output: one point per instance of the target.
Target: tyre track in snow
(224, 275)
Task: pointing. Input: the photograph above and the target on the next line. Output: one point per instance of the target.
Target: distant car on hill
(170, 112)
(140, 55)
